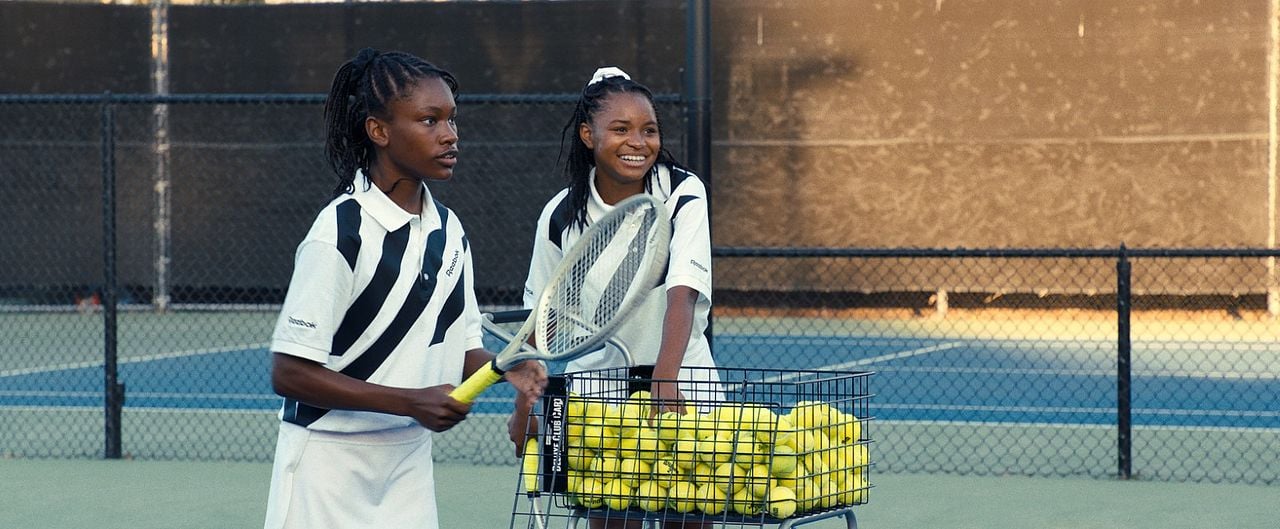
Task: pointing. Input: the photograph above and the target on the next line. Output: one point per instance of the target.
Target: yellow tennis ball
(617, 494)
(681, 496)
(606, 468)
(590, 493)
(844, 429)
(666, 472)
(702, 473)
(633, 471)
(667, 426)
(757, 480)
(745, 503)
(650, 496)
(783, 461)
(710, 499)
(648, 446)
(729, 478)
(716, 450)
(747, 452)
(781, 503)
(685, 452)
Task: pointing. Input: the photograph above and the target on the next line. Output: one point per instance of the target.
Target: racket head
(605, 275)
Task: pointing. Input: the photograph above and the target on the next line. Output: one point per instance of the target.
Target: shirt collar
(386, 212)
(596, 206)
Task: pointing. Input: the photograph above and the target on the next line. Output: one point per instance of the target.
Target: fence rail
(130, 332)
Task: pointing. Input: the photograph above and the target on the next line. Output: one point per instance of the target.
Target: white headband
(607, 72)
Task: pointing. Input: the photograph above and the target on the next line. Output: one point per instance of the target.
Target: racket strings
(601, 280)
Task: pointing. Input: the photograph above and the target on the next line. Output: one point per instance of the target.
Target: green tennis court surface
(61, 494)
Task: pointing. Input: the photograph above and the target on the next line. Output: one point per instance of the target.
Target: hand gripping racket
(602, 278)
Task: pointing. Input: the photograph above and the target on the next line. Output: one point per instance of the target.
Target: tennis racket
(600, 280)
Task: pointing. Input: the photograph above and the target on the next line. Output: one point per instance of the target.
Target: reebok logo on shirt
(699, 266)
(452, 264)
(301, 323)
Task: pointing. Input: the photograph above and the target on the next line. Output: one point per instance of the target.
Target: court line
(1060, 409)
(856, 363)
(1072, 426)
(132, 360)
(1224, 375)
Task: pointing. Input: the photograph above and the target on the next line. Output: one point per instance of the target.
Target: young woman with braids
(615, 151)
(380, 320)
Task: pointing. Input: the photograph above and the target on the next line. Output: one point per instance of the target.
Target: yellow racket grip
(475, 384)
(532, 465)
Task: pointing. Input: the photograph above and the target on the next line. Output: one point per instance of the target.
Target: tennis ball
(729, 478)
(746, 451)
(648, 446)
(685, 452)
(667, 426)
(716, 450)
(590, 493)
(785, 433)
(844, 429)
(532, 467)
(782, 502)
(611, 416)
(650, 496)
(702, 473)
(606, 468)
(633, 471)
(617, 494)
(745, 503)
(632, 415)
(783, 461)
(710, 499)
(757, 480)
(598, 437)
(666, 472)
(681, 496)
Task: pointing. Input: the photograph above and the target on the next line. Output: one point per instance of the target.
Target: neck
(403, 191)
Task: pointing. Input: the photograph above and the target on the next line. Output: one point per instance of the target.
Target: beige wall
(997, 123)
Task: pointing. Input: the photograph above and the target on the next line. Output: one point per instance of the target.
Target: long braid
(363, 87)
(578, 161)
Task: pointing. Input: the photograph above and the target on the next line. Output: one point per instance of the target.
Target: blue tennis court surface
(989, 381)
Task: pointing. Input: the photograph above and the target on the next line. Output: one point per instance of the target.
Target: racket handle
(477, 383)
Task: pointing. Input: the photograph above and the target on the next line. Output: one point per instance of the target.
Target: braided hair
(363, 87)
(578, 161)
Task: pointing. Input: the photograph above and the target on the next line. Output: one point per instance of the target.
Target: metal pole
(697, 87)
(1124, 303)
(113, 391)
(160, 143)
(697, 96)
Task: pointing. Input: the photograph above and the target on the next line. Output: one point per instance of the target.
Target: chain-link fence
(1157, 364)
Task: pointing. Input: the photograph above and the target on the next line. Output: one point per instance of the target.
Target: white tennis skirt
(352, 480)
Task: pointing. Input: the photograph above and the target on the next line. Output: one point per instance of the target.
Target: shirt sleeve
(690, 253)
(543, 261)
(317, 299)
(475, 333)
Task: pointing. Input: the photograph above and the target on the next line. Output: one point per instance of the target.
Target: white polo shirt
(689, 265)
(382, 295)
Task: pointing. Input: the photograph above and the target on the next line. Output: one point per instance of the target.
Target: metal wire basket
(755, 447)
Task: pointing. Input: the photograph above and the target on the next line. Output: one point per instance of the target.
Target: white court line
(130, 360)
(1226, 375)
(859, 362)
(1075, 426)
(1082, 410)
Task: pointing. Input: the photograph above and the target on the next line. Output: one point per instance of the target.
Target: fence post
(112, 391)
(1124, 303)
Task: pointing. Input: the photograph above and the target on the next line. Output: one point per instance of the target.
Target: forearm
(676, 326)
(314, 384)
(475, 359)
